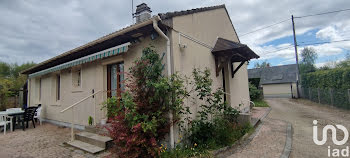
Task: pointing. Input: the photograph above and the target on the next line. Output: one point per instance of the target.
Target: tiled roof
(190, 11)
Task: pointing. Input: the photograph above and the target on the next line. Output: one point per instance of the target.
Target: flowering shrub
(216, 119)
(140, 115)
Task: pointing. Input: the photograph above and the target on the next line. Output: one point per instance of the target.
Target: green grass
(260, 103)
(205, 150)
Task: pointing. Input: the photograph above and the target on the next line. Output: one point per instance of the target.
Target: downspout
(161, 33)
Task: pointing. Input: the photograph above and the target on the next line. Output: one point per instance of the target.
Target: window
(115, 78)
(58, 88)
(76, 78)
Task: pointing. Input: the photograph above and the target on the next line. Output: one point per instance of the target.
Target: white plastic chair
(37, 115)
(4, 121)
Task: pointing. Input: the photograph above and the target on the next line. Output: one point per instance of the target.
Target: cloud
(37, 30)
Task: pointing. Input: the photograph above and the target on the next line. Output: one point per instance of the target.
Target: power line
(280, 49)
(307, 44)
(265, 27)
(336, 11)
(268, 26)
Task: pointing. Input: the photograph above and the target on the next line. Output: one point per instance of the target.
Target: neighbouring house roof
(275, 74)
(127, 34)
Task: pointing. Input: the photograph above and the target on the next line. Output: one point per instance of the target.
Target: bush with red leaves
(140, 120)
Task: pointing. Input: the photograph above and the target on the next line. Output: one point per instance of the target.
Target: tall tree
(262, 65)
(344, 63)
(5, 69)
(309, 56)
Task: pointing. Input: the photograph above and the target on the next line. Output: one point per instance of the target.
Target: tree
(309, 57)
(11, 81)
(345, 63)
(5, 69)
(262, 65)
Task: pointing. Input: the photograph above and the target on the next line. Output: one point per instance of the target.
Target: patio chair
(28, 116)
(4, 120)
(37, 115)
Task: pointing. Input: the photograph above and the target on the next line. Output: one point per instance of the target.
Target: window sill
(56, 105)
(77, 90)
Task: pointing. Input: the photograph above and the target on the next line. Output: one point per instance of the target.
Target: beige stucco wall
(206, 27)
(94, 77)
(279, 90)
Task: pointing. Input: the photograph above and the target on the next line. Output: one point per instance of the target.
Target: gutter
(161, 33)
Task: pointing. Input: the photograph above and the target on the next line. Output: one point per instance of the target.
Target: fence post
(309, 93)
(331, 94)
(318, 94)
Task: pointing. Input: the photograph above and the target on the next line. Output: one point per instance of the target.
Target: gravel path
(44, 141)
(301, 114)
(268, 142)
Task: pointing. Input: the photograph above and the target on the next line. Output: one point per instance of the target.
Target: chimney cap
(142, 7)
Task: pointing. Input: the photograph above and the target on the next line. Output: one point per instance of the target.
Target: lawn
(260, 103)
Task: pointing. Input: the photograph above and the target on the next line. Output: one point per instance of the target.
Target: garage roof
(275, 74)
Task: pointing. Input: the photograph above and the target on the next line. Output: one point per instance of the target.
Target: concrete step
(99, 129)
(93, 139)
(85, 146)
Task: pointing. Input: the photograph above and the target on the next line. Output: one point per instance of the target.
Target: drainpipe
(161, 33)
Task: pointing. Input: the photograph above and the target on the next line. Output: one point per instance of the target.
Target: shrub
(338, 78)
(254, 93)
(111, 104)
(216, 120)
(139, 118)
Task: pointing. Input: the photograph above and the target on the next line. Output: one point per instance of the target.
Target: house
(276, 81)
(72, 86)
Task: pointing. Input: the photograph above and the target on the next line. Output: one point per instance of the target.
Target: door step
(90, 142)
(85, 146)
(92, 138)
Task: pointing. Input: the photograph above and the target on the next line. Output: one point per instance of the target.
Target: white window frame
(74, 87)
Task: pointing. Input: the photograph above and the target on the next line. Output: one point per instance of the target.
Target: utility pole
(296, 56)
(132, 11)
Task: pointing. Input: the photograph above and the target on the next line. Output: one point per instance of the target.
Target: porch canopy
(227, 52)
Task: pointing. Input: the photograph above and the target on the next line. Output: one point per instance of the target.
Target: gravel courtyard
(44, 141)
(301, 113)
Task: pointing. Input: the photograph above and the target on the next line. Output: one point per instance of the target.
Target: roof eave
(97, 41)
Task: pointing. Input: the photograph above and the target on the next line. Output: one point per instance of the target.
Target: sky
(37, 30)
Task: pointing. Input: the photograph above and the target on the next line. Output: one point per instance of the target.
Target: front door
(115, 77)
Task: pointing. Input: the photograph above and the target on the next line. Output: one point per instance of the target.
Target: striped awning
(99, 55)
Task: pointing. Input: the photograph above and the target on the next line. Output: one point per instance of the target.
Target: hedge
(338, 78)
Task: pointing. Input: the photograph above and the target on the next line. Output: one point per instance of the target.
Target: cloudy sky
(37, 30)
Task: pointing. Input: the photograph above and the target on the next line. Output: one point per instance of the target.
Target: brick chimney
(143, 13)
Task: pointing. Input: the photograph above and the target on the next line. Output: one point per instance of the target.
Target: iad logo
(334, 152)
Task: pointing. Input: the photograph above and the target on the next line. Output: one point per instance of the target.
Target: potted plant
(91, 120)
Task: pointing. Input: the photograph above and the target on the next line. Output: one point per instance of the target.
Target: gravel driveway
(45, 141)
(301, 114)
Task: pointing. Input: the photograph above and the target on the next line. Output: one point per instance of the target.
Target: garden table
(15, 114)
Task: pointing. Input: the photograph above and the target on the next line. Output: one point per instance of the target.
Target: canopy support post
(233, 72)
